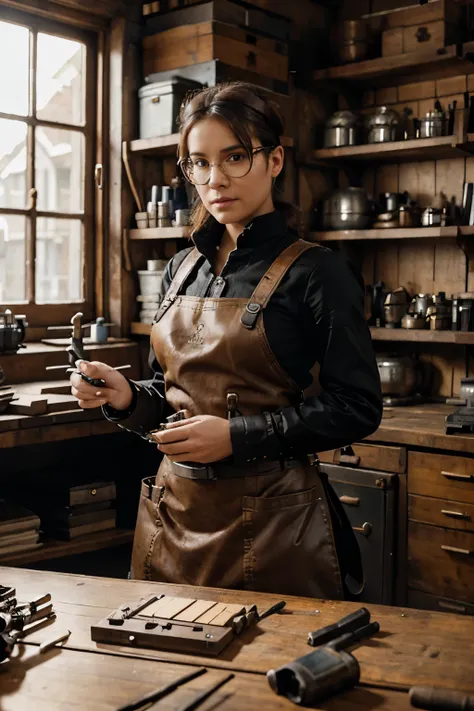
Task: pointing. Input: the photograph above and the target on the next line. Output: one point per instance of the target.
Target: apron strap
(270, 281)
(183, 272)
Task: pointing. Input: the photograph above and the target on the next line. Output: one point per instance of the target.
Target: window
(47, 105)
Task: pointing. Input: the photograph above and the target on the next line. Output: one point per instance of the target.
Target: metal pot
(420, 303)
(383, 125)
(347, 209)
(411, 321)
(433, 124)
(353, 51)
(342, 129)
(430, 217)
(355, 31)
(408, 216)
(399, 375)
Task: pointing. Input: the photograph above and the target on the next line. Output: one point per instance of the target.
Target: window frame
(39, 315)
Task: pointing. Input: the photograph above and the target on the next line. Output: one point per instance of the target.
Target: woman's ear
(277, 159)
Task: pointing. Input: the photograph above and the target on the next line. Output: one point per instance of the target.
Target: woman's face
(232, 200)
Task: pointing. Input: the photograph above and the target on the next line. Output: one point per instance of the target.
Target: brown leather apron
(262, 527)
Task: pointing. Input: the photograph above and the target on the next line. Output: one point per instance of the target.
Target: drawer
(368, 456)
(430, 35)
(424, 601)
(442, 475)
(441, 512)
(441, 562)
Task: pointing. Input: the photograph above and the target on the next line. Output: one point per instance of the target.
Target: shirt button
(219, 281)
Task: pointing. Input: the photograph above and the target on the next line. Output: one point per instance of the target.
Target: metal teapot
(12, 332)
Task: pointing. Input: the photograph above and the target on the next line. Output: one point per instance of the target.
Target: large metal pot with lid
(342, 129)
(348, 209)
(383, 125)
(399, 375)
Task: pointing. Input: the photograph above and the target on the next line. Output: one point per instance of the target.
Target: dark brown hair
(248, 113)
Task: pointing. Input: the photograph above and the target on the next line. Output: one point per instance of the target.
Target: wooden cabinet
(441, 561)
(441, 475)
(369, 456)
(425, 601)
(441, 512)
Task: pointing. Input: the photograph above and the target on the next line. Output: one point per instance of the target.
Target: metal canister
(163, 215)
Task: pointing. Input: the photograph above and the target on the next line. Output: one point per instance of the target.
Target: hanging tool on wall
(75, 351)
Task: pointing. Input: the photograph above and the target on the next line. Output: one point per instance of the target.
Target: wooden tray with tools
(176, 624)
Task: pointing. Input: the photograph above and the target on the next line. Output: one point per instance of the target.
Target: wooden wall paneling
(469, 177)
(311, 111)
(416, 266)
(448, 99)
(353, 9)
(451, 85)
(386, 254)
(313, 185)
(420, 181)
(450, 267)
(416, 91)
(449, 366)
(450, 178)
(386, 96)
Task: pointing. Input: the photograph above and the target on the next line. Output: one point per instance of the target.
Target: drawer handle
(346, 455)
(461, 477)
(451, 606)
(456, 514)
(349, 500)
(365, 529)
(452, 549)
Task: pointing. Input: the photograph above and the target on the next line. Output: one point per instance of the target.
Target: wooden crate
(437, 24)
(205, 41)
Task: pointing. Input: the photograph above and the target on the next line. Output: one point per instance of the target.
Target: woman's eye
(235, 158)
(200, 163)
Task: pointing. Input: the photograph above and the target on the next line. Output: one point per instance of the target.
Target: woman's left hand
(202, 439)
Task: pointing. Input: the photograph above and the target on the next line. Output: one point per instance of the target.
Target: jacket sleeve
(148, 407)
(350, 405)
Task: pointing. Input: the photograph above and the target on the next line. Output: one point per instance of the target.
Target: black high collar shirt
(314, 321)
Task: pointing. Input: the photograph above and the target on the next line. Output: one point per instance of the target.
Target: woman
(247, 313)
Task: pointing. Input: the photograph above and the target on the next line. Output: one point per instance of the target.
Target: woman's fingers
(175, 448)
(168, 435)
(89, 404)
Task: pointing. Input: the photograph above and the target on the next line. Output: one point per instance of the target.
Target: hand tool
(345, 624)
(162, 691)
(323, 672)
(428, 697)
(197, 701)
(49, 644)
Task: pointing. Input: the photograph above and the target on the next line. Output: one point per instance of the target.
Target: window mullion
(31, 156)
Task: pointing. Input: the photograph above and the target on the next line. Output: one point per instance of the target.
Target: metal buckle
(202, 472)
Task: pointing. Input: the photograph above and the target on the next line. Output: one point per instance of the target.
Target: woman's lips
(223, 202)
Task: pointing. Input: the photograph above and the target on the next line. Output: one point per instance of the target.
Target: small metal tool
(162, 692)
(346, 624)
(428, 697)
(49, 644)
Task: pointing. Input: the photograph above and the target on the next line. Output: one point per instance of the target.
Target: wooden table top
(421, 426)
(412, 647)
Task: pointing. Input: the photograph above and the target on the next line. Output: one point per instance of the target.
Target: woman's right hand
(117, 391)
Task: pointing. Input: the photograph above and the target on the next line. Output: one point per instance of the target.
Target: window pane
(59, 256)
(12, 163)
(14, 61)
(59, 176)
(60, 94)
(12, 259)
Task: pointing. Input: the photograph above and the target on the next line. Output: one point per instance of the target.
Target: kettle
(12, 332)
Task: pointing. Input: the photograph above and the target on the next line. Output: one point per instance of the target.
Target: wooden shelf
(168, 145)
(395, 233)
(413, 66)
(160, 233)
(397, 151)
(416, 335)
(140, 329)
(59, 549)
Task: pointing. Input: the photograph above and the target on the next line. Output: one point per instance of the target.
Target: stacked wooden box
(19, 529)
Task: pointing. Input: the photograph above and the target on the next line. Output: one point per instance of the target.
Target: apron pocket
(147, 530)
(288, 545)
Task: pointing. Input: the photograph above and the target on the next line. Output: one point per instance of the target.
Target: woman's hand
(117, 391)
(201, 439)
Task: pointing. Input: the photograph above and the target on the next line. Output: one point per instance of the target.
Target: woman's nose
(217, 176)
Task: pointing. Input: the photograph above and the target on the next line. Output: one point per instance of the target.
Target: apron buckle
(194, 472)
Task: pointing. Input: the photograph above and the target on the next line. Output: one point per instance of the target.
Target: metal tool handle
(347, 640)
(351, 622)
(428, 697)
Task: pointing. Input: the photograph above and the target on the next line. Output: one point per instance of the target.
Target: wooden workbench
(413, 647)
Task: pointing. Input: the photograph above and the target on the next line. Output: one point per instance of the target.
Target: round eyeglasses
(237, 165)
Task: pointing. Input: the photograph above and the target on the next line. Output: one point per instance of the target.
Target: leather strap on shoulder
(183, 272)
(270, 281)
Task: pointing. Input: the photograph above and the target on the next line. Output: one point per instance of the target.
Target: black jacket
(315, 316)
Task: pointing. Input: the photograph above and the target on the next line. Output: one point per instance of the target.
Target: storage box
(204, 41)
(160, 103)
(436, 24)
(247, 18)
